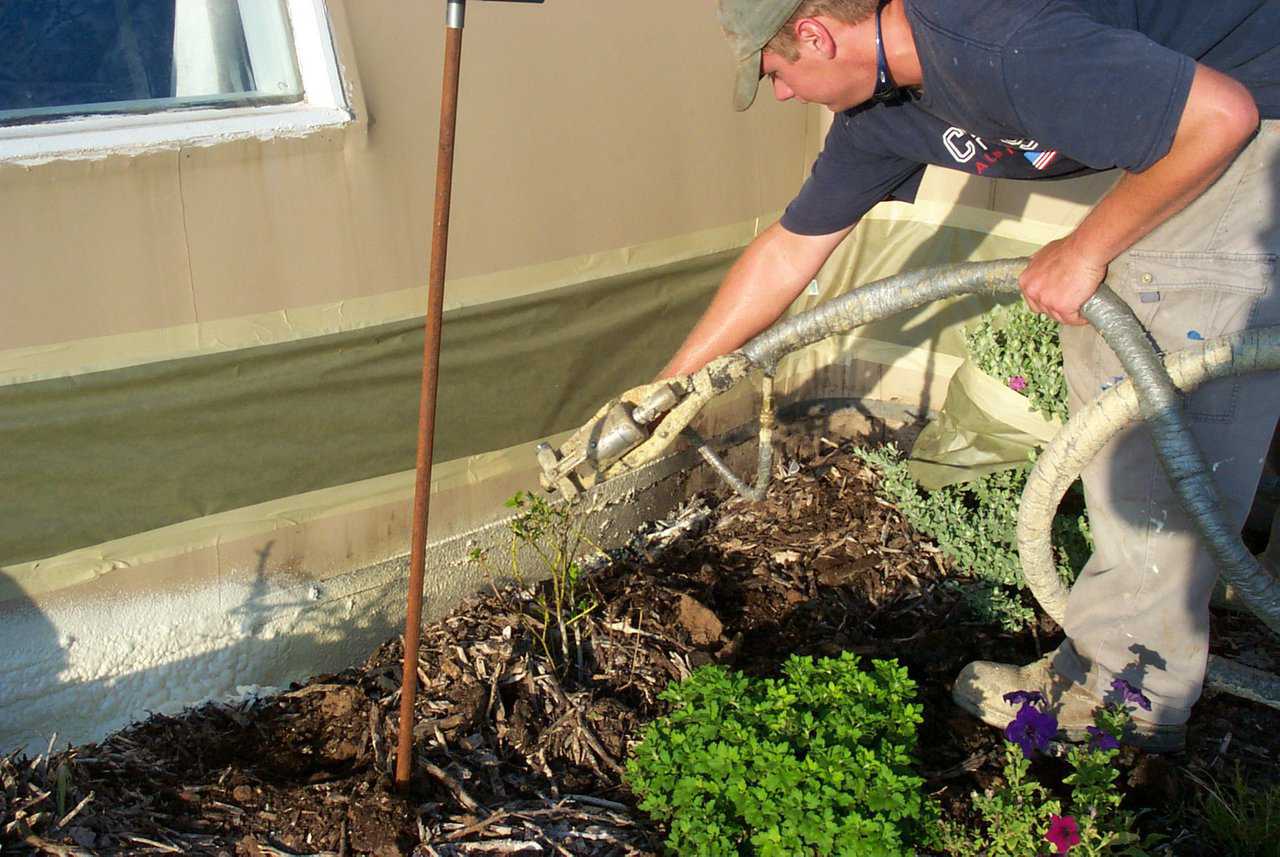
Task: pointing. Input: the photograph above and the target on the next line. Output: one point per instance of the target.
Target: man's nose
(781, 91)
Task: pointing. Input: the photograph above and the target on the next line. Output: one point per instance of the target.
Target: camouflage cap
(749, 25)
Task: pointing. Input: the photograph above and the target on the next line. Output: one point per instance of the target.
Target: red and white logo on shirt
(969, 148)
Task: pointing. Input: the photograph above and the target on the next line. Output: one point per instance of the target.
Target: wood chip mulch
(519, 750)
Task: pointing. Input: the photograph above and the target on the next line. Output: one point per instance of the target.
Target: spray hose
(1151, 393)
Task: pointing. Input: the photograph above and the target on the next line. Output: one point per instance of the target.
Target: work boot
(981, 686)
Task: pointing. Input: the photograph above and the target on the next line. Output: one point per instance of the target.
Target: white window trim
(324, 105)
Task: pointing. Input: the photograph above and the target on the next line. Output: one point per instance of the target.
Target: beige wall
(584, 126)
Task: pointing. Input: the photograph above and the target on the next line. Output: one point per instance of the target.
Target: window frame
(324, 104)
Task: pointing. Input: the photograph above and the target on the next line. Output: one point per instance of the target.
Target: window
(80, 76)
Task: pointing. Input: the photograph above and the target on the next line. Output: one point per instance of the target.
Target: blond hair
(784, 42)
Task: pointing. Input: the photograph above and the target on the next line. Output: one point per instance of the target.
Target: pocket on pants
(1183, 299)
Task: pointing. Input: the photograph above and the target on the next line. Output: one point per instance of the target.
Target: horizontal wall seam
(107, 353)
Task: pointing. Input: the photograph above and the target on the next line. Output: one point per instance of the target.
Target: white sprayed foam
(87, 668)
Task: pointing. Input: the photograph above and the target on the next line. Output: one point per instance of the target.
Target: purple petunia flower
(1100, 740)
(1032, 729)
(1017, 383)
(1024, 697)
(1129, 693)
(1063, 833)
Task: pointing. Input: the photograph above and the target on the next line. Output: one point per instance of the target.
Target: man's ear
(813, 35)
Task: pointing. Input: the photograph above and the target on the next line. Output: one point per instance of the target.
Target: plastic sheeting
(983, 427)
(125, 466)
(104, 455)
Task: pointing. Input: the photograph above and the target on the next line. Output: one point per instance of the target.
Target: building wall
(584, 130)
(180, 521)
(580, 130)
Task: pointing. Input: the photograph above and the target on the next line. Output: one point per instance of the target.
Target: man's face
(816, 77)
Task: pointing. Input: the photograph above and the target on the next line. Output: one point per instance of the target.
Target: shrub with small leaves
(976, 524)
(818, 761)
(1021, 349)
(554, 536)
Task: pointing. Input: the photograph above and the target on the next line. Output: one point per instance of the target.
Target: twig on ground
(455, 788)
(46, 847)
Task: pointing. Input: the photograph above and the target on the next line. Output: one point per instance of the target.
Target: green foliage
(1012, 341)
(1017, 815)
(63, 780)
(975, 526)
(553, 535)
(1241, 818)
(816, 762)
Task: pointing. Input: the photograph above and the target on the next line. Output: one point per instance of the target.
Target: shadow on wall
(923, 329)
(61, 668)
(34, 659)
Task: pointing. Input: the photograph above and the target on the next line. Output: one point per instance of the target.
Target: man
(1172, 92)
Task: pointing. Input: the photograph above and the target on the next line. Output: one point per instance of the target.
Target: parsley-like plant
(818, 761)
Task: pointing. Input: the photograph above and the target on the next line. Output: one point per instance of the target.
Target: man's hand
(1059, 279)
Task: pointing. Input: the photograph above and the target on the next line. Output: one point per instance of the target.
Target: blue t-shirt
(1032, 89)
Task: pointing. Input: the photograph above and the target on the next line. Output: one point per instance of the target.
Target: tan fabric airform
(163, 444)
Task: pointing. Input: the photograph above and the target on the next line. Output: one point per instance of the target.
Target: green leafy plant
(1240, 818)
(818, 761)
(975, 526)
(1022, 818)
(1021, 349)
(1016, 815)
(554, 536)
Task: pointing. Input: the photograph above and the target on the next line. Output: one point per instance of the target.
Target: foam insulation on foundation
(88, 667)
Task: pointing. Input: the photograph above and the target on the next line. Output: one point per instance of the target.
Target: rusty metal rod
(430, 379)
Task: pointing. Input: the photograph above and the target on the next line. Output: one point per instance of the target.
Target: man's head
(775, 32)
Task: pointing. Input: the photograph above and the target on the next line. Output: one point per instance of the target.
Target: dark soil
(519, 752)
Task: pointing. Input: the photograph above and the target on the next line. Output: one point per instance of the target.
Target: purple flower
(1017, 383)
(1032, 729)
(1063, 833)
(1024, 697)
(1100, 740)
(1129, 693)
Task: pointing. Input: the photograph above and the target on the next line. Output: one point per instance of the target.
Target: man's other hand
(1059, 279)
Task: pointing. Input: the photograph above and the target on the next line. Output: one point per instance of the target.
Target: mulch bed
(518, 753)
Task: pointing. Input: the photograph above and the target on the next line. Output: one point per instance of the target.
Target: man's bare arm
(1219, 118)
(767, 277)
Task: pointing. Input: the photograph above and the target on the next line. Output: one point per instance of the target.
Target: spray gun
(616, 429)
(638, 427)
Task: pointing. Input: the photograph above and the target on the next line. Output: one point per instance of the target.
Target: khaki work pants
(1140, 609)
